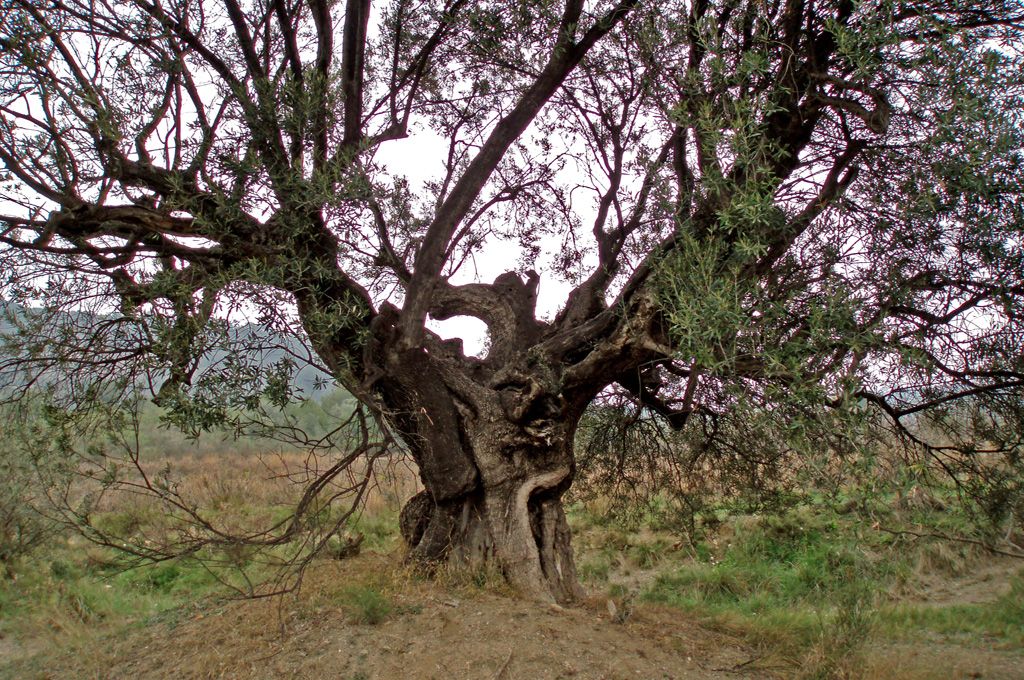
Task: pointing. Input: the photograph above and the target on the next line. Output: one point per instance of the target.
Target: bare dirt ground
(445, 631)
(940, 660)
(482, 637)
(983, 583)
(432, 632)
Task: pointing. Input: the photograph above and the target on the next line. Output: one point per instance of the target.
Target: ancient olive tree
(752, 206)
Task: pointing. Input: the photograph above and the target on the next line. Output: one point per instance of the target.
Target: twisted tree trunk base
(521, 531)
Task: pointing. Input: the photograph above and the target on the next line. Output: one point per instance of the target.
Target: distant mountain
(262, 348)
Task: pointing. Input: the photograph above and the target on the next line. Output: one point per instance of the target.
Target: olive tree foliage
(785, 226)
(29, 468)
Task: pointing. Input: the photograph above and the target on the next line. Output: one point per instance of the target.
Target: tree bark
(520, 528)
(493, 437)
(495, 457)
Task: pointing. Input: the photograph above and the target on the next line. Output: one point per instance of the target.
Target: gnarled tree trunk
(493, 437)
(521, 529)
(495, 460)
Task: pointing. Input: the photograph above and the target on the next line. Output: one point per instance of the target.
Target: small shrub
(60, 569)
(648, 555)
(367, 605)
(27, 473)
(163, 576)
(80, 604)
(118, 524)
(596, 569)
(838, 651)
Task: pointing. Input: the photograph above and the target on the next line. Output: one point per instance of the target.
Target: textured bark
(492, 437)
(521, 530)
(495, 457)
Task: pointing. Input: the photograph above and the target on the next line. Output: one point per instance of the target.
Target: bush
(21, 527)
(27, 472)
(367, 605)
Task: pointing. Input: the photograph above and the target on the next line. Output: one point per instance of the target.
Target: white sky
(420, 158)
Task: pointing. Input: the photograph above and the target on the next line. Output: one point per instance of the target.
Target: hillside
(259, 346)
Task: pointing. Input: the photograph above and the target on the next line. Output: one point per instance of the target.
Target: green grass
(795, 585)
(1001, 620)
(813, 588)
(596, 567)
(68, 588)
(648, 555)
(366, 604)
(380, 529)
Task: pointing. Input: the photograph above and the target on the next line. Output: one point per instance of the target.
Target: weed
(617, 590)
(596, 568)
(838, 652)
(474, 576)
(80, 605)
(60, 569)
(366, 604)
(380, 530)
(163, 576)
(647, 555)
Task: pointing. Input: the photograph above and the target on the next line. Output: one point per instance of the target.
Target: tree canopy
(776, 223)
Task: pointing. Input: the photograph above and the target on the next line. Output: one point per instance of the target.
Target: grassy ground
(811, 593)
(818, 592)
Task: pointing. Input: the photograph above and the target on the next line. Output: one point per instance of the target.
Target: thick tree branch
(430, 258)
